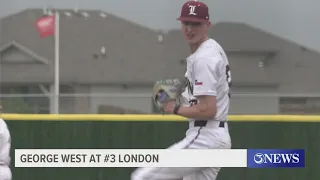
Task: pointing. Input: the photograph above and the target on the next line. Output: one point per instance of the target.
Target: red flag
(46, 26)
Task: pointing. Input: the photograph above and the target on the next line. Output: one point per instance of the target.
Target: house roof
(14, 44)
(130, 48)
(284, 61)
(134, 53)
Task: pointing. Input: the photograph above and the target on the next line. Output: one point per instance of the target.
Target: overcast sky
(291, 19)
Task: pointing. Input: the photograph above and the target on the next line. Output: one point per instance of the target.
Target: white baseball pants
(196, 138)
(5, 173)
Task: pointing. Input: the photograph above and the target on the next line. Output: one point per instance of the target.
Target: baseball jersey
(5, 143)
(208, 73)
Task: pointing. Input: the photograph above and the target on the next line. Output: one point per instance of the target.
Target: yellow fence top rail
(153, 117)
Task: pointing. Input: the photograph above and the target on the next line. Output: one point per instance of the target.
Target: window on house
(299, 105)
(23, 98)
(65, 89)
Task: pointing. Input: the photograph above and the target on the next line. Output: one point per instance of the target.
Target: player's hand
(169, 106)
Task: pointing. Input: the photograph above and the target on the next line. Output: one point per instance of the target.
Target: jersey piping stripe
(195, 138)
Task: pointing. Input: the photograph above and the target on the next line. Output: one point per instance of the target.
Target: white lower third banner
(130, 158)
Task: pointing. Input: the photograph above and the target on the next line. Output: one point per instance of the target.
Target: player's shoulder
(210, 53)
(210, 49)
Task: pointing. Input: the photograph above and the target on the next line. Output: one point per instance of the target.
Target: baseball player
(5, 145)
(206, 97)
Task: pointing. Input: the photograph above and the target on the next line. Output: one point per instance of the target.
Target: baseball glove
(167, 90)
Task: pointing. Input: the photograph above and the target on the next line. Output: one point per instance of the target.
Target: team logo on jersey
(197, 82)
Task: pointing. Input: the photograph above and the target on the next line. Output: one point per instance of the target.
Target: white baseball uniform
(208, 73)
(5, 145)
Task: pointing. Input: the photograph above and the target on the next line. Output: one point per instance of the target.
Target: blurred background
(102, 57)
(111, 52)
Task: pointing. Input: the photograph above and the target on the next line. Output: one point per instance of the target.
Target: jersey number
(228, 73)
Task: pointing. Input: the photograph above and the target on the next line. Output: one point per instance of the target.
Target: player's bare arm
(205, 109)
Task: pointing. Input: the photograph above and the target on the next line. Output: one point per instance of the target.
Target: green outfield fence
(85, 131)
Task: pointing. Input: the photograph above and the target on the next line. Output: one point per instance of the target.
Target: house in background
(27, 61)
(135, 57)
(266, 64)
(270, 75)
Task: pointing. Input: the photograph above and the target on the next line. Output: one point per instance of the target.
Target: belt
(202, 123)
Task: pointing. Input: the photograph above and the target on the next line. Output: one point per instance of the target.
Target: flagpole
(57, 63)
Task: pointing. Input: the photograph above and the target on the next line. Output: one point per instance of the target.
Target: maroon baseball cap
(194, 11)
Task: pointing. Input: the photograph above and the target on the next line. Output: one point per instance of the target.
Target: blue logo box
(276, 158)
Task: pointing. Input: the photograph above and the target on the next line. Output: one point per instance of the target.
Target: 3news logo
(276, 158)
